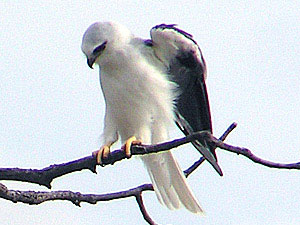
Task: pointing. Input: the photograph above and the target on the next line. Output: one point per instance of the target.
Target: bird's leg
(130, 141)
(102, 153)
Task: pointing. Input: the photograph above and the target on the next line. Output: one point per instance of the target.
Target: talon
(130, 141)
(102, 153)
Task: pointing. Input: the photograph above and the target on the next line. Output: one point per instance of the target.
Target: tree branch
(46, 175)
(38, 197)
(143, 210)
(247, 153)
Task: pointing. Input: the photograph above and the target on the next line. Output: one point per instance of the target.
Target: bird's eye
(100, 48)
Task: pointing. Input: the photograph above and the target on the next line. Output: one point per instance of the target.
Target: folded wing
(186, 66)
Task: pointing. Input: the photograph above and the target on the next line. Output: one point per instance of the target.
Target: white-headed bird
(147, 85)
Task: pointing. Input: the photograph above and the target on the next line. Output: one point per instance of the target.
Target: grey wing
(186, 67)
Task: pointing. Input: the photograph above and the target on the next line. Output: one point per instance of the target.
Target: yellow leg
(102, 153)
(130, 141)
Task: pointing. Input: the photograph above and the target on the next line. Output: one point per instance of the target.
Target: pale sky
(52, 108)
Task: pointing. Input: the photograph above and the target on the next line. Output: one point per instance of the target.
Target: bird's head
(101, 38)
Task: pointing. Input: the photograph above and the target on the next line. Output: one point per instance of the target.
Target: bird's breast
(137, 93)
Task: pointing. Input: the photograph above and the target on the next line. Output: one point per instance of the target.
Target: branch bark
(46, 175)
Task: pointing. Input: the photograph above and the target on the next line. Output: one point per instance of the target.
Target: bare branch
(45, 176)
(188, 171)
(193, 167)
(38, 197)
(228, 131)
(143, 210)
(247, 153)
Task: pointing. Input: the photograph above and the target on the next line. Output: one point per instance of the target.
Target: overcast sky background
(51, 108)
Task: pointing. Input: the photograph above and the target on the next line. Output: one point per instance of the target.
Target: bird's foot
(102, 153)
(130, 141)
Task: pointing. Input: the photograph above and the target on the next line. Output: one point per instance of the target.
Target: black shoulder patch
(187, 59)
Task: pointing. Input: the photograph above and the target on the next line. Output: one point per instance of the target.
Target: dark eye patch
(99, 49)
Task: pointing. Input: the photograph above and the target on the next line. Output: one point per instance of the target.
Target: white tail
(169, 182)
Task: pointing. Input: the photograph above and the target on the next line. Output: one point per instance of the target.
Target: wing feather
(181, 55)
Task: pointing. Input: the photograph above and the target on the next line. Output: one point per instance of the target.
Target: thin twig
(139, 200)
(191, 169)
(247, 153)
(228, 131)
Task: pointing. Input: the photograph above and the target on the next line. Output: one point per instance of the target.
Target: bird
(148, 84)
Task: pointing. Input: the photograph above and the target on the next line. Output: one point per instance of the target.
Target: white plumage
(139, 99)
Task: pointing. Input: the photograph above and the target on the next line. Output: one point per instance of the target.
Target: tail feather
(164, 195)
(169, 182)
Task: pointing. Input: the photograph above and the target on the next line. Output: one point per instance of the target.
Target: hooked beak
(90, 62)
(95, 54)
